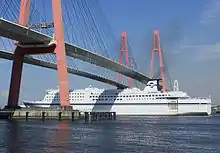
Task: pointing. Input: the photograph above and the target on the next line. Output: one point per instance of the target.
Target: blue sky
(190, 38)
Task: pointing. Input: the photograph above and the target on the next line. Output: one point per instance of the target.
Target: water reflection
(12, 137)
(62, 136)
(108, 136)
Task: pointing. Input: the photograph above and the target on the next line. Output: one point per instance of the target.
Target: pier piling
(86, 116)
(60, 116)
(27, 116)
(43, 116)
(114, 115)
(73, 114)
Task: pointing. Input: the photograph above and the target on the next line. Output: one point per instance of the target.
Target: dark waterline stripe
(116, 103)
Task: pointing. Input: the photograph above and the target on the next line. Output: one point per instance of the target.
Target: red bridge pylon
(157, 48)
(124, 50)
(58, 48)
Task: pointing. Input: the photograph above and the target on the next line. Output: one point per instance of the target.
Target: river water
(176, 134)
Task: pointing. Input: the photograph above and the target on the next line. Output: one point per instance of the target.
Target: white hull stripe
(26, 103)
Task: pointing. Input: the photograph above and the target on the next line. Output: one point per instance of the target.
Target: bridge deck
(42, 63)
(23, 34)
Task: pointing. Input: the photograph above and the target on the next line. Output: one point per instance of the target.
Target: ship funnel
(151, 86)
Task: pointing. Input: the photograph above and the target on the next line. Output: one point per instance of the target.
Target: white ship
(130, 101)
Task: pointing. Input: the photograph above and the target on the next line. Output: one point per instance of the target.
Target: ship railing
(30, 101)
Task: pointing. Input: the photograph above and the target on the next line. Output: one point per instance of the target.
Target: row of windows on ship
(110, 94)
(73, 94)
(101, 99)
(110, 97)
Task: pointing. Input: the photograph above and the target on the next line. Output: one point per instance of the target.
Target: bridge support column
(60, 54)
(16, 74)
(18, 59)
(157, 48)
(124, 49)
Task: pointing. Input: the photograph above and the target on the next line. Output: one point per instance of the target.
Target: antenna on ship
(58, 88)
(175, 85)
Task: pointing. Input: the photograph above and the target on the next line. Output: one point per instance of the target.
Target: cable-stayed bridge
(38, 40)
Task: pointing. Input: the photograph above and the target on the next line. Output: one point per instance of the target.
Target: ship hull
(131, 101)
(151, 109)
